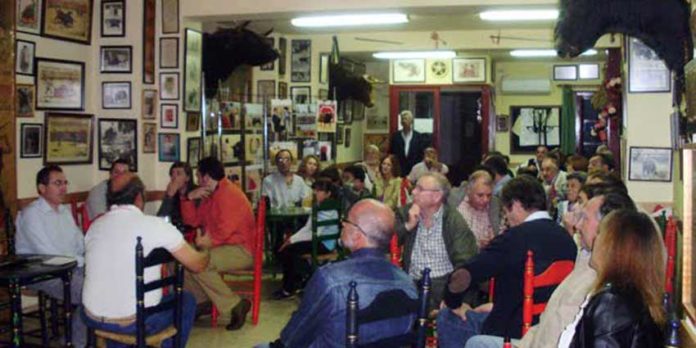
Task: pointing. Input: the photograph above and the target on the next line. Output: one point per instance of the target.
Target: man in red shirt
(225, 223)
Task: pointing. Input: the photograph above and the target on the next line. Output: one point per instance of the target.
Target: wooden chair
(389, 304)
(80, 215)
(553, 275)
(140, 339)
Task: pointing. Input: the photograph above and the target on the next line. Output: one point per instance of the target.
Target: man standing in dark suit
(408, 145)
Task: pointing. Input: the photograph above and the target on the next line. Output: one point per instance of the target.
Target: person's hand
(203, 240)
(485, 240)
(569, 220)
(413, 216)
(484, 308)
(201, 192)
(285, 244)
(175, 185)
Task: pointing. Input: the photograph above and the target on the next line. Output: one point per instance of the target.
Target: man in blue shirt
(320, 321)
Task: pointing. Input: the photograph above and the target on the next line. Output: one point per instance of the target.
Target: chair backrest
(671, 246)
(9, 231)
(395, 251)
(389, 304)
(553, 275)
(260, 230)
(157, 257)
(329, 205)
(80, 215)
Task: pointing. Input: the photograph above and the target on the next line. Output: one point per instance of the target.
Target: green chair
(324, 216)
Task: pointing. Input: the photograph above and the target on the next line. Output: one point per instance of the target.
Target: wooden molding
(82, 196)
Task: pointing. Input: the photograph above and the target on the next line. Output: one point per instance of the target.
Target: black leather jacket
(617, 318)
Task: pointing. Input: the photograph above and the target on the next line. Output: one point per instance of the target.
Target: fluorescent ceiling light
(545, 53)
(519, 15)
(349, 20)
(414, 54)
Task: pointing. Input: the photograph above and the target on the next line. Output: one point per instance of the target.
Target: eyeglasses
(283, 159)
(420, 188)
(59, 182)
(348, 222)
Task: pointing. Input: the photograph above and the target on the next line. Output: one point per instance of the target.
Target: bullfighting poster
(326, 116)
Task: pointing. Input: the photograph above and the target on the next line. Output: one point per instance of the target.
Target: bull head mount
(344, 84)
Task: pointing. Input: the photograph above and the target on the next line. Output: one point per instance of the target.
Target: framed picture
(149, 17)
(468, 70)
(231, 148)
(149, 137)
(169, 148)
(339, 134)
(170, 16)
(408, 70)
(283, 53)
(265, 90)
(346, 140)
(271, 65)
(116, 95)
(25, 100)
(60, 84)
(301, 95)
(323, 94)
(282, 90)
(68, 139)
(25, 57)
(565, 72)
(69, 20)
(118, 140)
(169, 86)
(28, 16)
(116, 59)
(533, 126)
(193, 64)
(650, 164)
(193, 151)
(32, 137)
(588, 71)
(501, 123)
(169, 116)
(358, 111)
(193, 121)
(169, 53)
(346, 110)
(647, 73)
(324, 68)
(301, 61)
(149, 107)
(113, 18)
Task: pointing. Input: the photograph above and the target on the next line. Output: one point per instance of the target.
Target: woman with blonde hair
(625, 308)
(309, 169)
(371, 163)
(388, 181)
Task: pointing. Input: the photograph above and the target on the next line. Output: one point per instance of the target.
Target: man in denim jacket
(320, 321)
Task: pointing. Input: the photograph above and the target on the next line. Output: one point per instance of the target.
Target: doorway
(460, 133)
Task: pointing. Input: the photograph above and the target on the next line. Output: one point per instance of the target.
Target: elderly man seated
(479, 208)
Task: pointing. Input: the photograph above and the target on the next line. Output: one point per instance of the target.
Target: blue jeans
(154, 323)
(485, 341)
(452, 331)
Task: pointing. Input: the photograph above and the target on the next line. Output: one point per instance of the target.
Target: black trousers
(294, 266)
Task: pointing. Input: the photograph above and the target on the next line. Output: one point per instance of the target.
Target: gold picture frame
(69, 20)
(68, 138)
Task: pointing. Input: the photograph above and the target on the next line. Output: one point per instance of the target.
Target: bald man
(320, 320)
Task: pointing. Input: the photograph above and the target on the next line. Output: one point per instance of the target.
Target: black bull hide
(348, 85)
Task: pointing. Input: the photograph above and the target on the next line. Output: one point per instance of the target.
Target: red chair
(553, 275)
(671, 245)
(80, 215)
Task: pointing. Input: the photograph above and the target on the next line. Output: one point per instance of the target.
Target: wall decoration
(345, 110)
(254, 177)
(376, 120)
(346, 142)
(283, 50)
(324, 68)
(116, 95)
(340, 128)
(169, 116)
(253, 148)
(646, 71)
(231, 149)
(565, 72)
(149, 107)
(25, 51)
(301, 94)
(326, 117)
(439, 70)
(25, 101)
(265, 91)
(270, 65)
(502, 124)
(169, 53)
(116, 59)
(282, 90)
(149, 41)
(193, 121)
(325, 150)
(588, 71)
(69, 20)
(113, 18)
(68, 138)
(169, 148)
(28, 16)
(32, 137)
(650, 164)
(193, 151)
(379, 140)
(170, 16)
(192, 70)
(169, 86)
(118, 140)
(281, 119)
(60, 84)
(301, 60)
(408, 70)
(533, 126)
(468, 70)
(323, 94)
(358, 111)
(305, 122)
(149, 137)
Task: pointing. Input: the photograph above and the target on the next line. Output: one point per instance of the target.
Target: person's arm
(194, 261)
(303, 234)
(189, 212)
(230, 210)
(316, 308)
(400, 227)
(167, 206)
(463, 243)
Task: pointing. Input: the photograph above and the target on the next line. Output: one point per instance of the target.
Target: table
(16, 276)
(280, 218)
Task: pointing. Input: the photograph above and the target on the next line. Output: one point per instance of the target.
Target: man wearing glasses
(46, 226)
(284, 188)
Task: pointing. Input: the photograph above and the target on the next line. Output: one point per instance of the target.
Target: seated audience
(576, 163)
(226, 223)
(479, 208)
(601, 162)
(388, 182)
(499, 168)
(354, 186)
(96, 200)
(575, 182)
(554, 181)
(430, 164)
(309, 169)
(531, 228)
(109, 291)
(180, 183)
(46, 226)
(320, 320)
(283, 188)
(370, 163)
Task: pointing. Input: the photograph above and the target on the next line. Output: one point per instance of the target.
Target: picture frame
(301, 95)
(265, 91)
(193, 151)
(502, 123)
(526, 120)
(73, 25)
(169, 116)
(169, 147)
(301, 60)
(149, 137)
(469, 70)
(282, 56)
(28, 16)
(339, 133)
(358, 111)
(25, 97)
(193, 63)
(116, 95)
(231, 149)
(170, 16)
(169, 53)
(565, 72)
(650, 164)
(149, 17)
(116, 59)
(113, 18)
(60, 84)
(345, 108)
(647, 73)
(118, 140)
(270, 66)
(32, 140)
(149, 104)
(169, 86)
(282, 90)
(68, 138)
(323, 94)
(24, 59)
(408, 70)
(588, 71)
(193, 121)
(324, 68)
(346, 138)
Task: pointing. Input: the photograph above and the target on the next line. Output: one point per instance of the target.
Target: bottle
(506, 342)
(672, 337)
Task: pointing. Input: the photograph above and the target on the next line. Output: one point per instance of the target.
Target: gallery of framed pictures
(32, 140)
(118, 140)
(68, 138)
(60, 84)
(75, 25)
(533, 126)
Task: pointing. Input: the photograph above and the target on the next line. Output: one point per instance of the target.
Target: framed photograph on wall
(113, 18)
(282, 90)
(650, 164)
(25, 51)
(301, 61)
(346, 138)
(25, 100)
(647, 73)
(118, 140)
(170, 16)
(468, 70)
(169, 53)
(68, 138)
(533, 126)
(32, 137)
(69, 20)
(193, 121)
(193, 151)
(169, 116)
(324, 68)
(563, 72)
(116, 95)
(502, 123)
(588, 71)
(169, 86)
(149, 137)
(28, 16)
(149, 17)
(301, 95)
(60, 84)
(408, 70)
(149, 107)
(265, 90)
(283, 53)
(169, 148)
(116, 59)
(192, 70)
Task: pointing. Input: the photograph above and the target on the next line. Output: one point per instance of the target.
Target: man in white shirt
(407, 145)
(96, 200)
(284, 188)
(430, 164)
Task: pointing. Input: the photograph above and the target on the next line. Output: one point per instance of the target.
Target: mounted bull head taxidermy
(346, 84)
(227, 49)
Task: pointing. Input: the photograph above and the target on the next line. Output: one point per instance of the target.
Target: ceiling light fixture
(349, 20)
(545, 53)
(519, 15)
(442, 54)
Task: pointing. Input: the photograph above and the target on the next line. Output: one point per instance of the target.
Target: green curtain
(568, 122)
